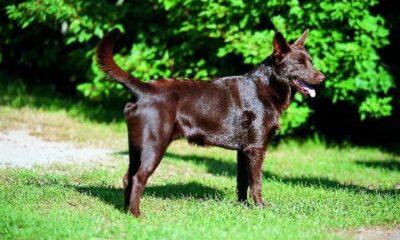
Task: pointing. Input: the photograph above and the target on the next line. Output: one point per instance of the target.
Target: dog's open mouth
(304, 88)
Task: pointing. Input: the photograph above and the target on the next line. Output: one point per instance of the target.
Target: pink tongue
(310, 91)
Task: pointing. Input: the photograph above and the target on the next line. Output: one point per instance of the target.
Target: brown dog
(239, 113)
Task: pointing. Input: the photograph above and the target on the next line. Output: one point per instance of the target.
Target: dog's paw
(135, 212)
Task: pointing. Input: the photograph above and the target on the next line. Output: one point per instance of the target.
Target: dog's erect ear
(300, 42)
(281, 47)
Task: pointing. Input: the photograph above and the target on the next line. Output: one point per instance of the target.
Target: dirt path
(374, 233)
(19, 149)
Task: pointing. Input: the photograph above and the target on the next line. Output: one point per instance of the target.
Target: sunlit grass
(313, 191)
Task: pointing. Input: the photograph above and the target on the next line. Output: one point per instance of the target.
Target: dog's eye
(301, 61)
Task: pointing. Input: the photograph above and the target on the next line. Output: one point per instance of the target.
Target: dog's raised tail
(106, 63)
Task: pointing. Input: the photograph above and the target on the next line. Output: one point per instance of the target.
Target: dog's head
(293, 63)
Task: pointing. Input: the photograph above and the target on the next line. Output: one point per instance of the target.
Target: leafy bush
(205, 39)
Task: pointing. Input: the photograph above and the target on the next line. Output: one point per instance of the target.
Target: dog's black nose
(321, 77)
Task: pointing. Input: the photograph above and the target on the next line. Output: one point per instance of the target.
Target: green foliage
(86, 19)
(204, 39)
(295, 116)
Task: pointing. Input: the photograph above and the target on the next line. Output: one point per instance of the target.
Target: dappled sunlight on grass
(310, 189)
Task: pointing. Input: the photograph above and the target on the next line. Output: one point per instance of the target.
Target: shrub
(204, 39)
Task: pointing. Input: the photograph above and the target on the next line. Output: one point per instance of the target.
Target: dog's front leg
(255, 159)
(242, 177)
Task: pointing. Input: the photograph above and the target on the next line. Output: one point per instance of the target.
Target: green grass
(313, 191)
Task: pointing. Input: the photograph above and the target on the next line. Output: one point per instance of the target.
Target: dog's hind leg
(153, 135)
(150, 158)
(134, 163)
(134, 152)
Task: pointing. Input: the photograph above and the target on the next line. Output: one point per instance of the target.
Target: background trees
(352, 42)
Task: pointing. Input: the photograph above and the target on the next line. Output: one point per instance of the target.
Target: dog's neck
(273, 90)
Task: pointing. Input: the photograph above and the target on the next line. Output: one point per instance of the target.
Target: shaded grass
(18, 94)
(392, 165)
(220, 167)
(51, 116)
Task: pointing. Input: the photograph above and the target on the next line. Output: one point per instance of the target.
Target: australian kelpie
(239, 113)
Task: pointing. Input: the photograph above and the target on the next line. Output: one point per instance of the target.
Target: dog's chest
(258, 129)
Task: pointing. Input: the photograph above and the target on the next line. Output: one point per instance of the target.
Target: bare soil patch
(374, 233)
(20, 149)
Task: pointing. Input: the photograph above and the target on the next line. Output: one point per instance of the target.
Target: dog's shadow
(114, 195)
(228, 168)
(391, 165)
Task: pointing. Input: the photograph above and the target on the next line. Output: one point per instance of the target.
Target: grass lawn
(313, 191)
